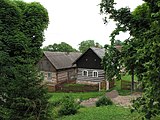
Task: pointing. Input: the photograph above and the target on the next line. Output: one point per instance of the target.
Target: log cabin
(90, 68)
(57, 67)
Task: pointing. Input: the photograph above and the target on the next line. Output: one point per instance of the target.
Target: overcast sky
(73, 21)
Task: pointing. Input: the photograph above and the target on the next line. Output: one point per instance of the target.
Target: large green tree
(62, 47)
(22, 96)
(140, 52)
(84, 45)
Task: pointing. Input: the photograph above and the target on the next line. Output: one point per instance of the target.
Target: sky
(74, 21)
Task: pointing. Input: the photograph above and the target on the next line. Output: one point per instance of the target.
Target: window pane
(49, 76)
(85, 73)
(95, 74)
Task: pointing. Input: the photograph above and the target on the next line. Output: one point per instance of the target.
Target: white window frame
(49, 78)
(93, 75)
(85, 71)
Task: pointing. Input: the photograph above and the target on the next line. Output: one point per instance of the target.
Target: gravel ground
(89, 103)
(122, 100)
(115, 97)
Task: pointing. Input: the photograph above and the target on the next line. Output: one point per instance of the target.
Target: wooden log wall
(62, 76)
(53, 77)
(90, 77)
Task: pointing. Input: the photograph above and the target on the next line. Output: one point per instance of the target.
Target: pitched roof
(62, 60)
(100, 52)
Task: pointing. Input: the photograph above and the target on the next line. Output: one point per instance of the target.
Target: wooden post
(106, 85)
(68, 76)
(99, 86)
(121, 84)
(132, 84)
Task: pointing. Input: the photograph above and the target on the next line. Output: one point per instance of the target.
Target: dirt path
(122, 100)
(115, 97)
(89, 103)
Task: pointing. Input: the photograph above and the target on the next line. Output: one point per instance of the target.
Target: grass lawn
(117, 87)
(127, 77)
(81, 95)
(103, 113)
(121, 91)
(112, 112)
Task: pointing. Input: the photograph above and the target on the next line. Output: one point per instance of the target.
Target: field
(103, 113)
(81, 95)
(111, 112)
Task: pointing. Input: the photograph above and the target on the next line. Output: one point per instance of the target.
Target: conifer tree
(22, 95)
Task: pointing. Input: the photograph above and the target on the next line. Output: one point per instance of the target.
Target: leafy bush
(4, 113)
(103, 101)
(74, 85)
(68, 106)
(55, 103)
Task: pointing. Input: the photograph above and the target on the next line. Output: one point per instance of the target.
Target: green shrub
(4, 113)
(103, 101)
(55, 103)
(68, 106)
(74, 85)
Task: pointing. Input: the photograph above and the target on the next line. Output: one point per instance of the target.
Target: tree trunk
(132, 84)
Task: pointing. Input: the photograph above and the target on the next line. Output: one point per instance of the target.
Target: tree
(22, 95)
(128, 58)
(111, 62)
(84, 45)
(118, 42)
(141, 51)
(62, 47)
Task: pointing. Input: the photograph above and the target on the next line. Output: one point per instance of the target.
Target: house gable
(89, 60)
(57, 68)
(45, 65)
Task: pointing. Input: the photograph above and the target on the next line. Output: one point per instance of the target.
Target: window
(49, 76)
(84, 73)
(94, 74)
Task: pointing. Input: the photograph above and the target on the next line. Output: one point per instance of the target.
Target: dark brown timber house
(57, 67)
(90, 69)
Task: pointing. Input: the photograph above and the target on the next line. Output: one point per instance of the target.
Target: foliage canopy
(84, 45)
(22, 95)
(141, 51)
(62, 47)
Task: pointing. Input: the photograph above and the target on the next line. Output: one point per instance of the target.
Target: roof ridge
(61, 60)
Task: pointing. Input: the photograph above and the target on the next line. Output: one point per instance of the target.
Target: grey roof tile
(62, 60)
(99, 51)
